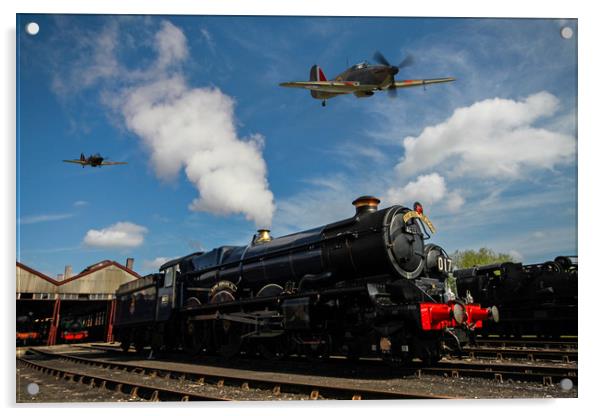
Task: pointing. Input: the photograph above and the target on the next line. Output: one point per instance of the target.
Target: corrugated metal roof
(102, 277)
(32, 281)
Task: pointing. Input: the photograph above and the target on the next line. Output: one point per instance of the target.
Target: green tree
(470, 258)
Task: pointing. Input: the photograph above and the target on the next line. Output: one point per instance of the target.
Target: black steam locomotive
(535, 299)
(366, 285)
(73, 329)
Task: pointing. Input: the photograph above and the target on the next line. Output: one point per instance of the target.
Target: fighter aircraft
(362, 79)
(93, 160)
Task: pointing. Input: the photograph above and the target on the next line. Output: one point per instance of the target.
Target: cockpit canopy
(361, 65)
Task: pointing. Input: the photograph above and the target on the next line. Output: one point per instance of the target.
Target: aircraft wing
(418, 82)
(79, 162)
(335, 87)
(113, 163)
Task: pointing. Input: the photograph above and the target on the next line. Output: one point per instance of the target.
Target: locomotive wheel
(320, 351)
(354, 352)
(125, 343)
(398, 361)
(139, 344)
(226, 334)
(227, 337)
(270, 290)
(398, 357)
(430, 358)
(272, 349)
(157, 342)
(191, 341)
(430, 355)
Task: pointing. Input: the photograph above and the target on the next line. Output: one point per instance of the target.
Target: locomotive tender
(366, 285)
(533, 299)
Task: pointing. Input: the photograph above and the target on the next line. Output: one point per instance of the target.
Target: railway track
(501, 353)
(121, 385)
(544, 373)
(569, 344)
(529, 354)
(226, 379)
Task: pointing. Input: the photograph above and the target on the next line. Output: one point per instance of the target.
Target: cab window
(169, 275)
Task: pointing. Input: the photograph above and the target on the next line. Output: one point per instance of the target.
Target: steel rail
(569, 344)
(541, 373)
(134, 389)
(314, 389)
(531, 354)
(503, 371)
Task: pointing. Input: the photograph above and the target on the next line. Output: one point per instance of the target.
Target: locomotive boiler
(366, 285)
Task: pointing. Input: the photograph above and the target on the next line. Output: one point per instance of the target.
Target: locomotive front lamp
(459, 313)
(494, 314)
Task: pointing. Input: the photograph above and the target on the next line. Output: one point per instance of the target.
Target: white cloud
(33, 219)
(539, 234)
(155, 263)
(181, 126)
(491, 138)
(194, 129)
(428, 190)
(559, 241)
(96, 60)
(208, 39)
(80, 203)
(517, 256)
(118, 235)
(503, 210)
(325, 200)
(454, 202)
(171, 45)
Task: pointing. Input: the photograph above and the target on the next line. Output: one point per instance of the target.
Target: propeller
(393, 69)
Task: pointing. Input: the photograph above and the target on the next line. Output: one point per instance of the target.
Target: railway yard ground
(103, 373)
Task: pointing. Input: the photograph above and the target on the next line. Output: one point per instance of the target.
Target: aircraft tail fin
(82, 157)
(316, 74)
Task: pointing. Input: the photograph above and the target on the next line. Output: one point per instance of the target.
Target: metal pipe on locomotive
(366, 285)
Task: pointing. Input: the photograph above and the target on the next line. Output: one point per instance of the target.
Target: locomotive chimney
(262, 236)
(68, 272)
(129, 263)
(366, 204)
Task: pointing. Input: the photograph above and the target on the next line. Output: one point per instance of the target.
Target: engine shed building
(46, 306)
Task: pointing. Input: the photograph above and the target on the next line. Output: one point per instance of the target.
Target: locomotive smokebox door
(296, 313)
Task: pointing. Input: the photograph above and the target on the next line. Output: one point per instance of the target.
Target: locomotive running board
(243, 318)
(260, 320)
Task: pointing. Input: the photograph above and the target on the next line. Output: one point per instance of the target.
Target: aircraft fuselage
(379, 75)
(95, 160)
(369, 74)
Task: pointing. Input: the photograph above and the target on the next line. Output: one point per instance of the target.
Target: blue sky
(215, 148)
